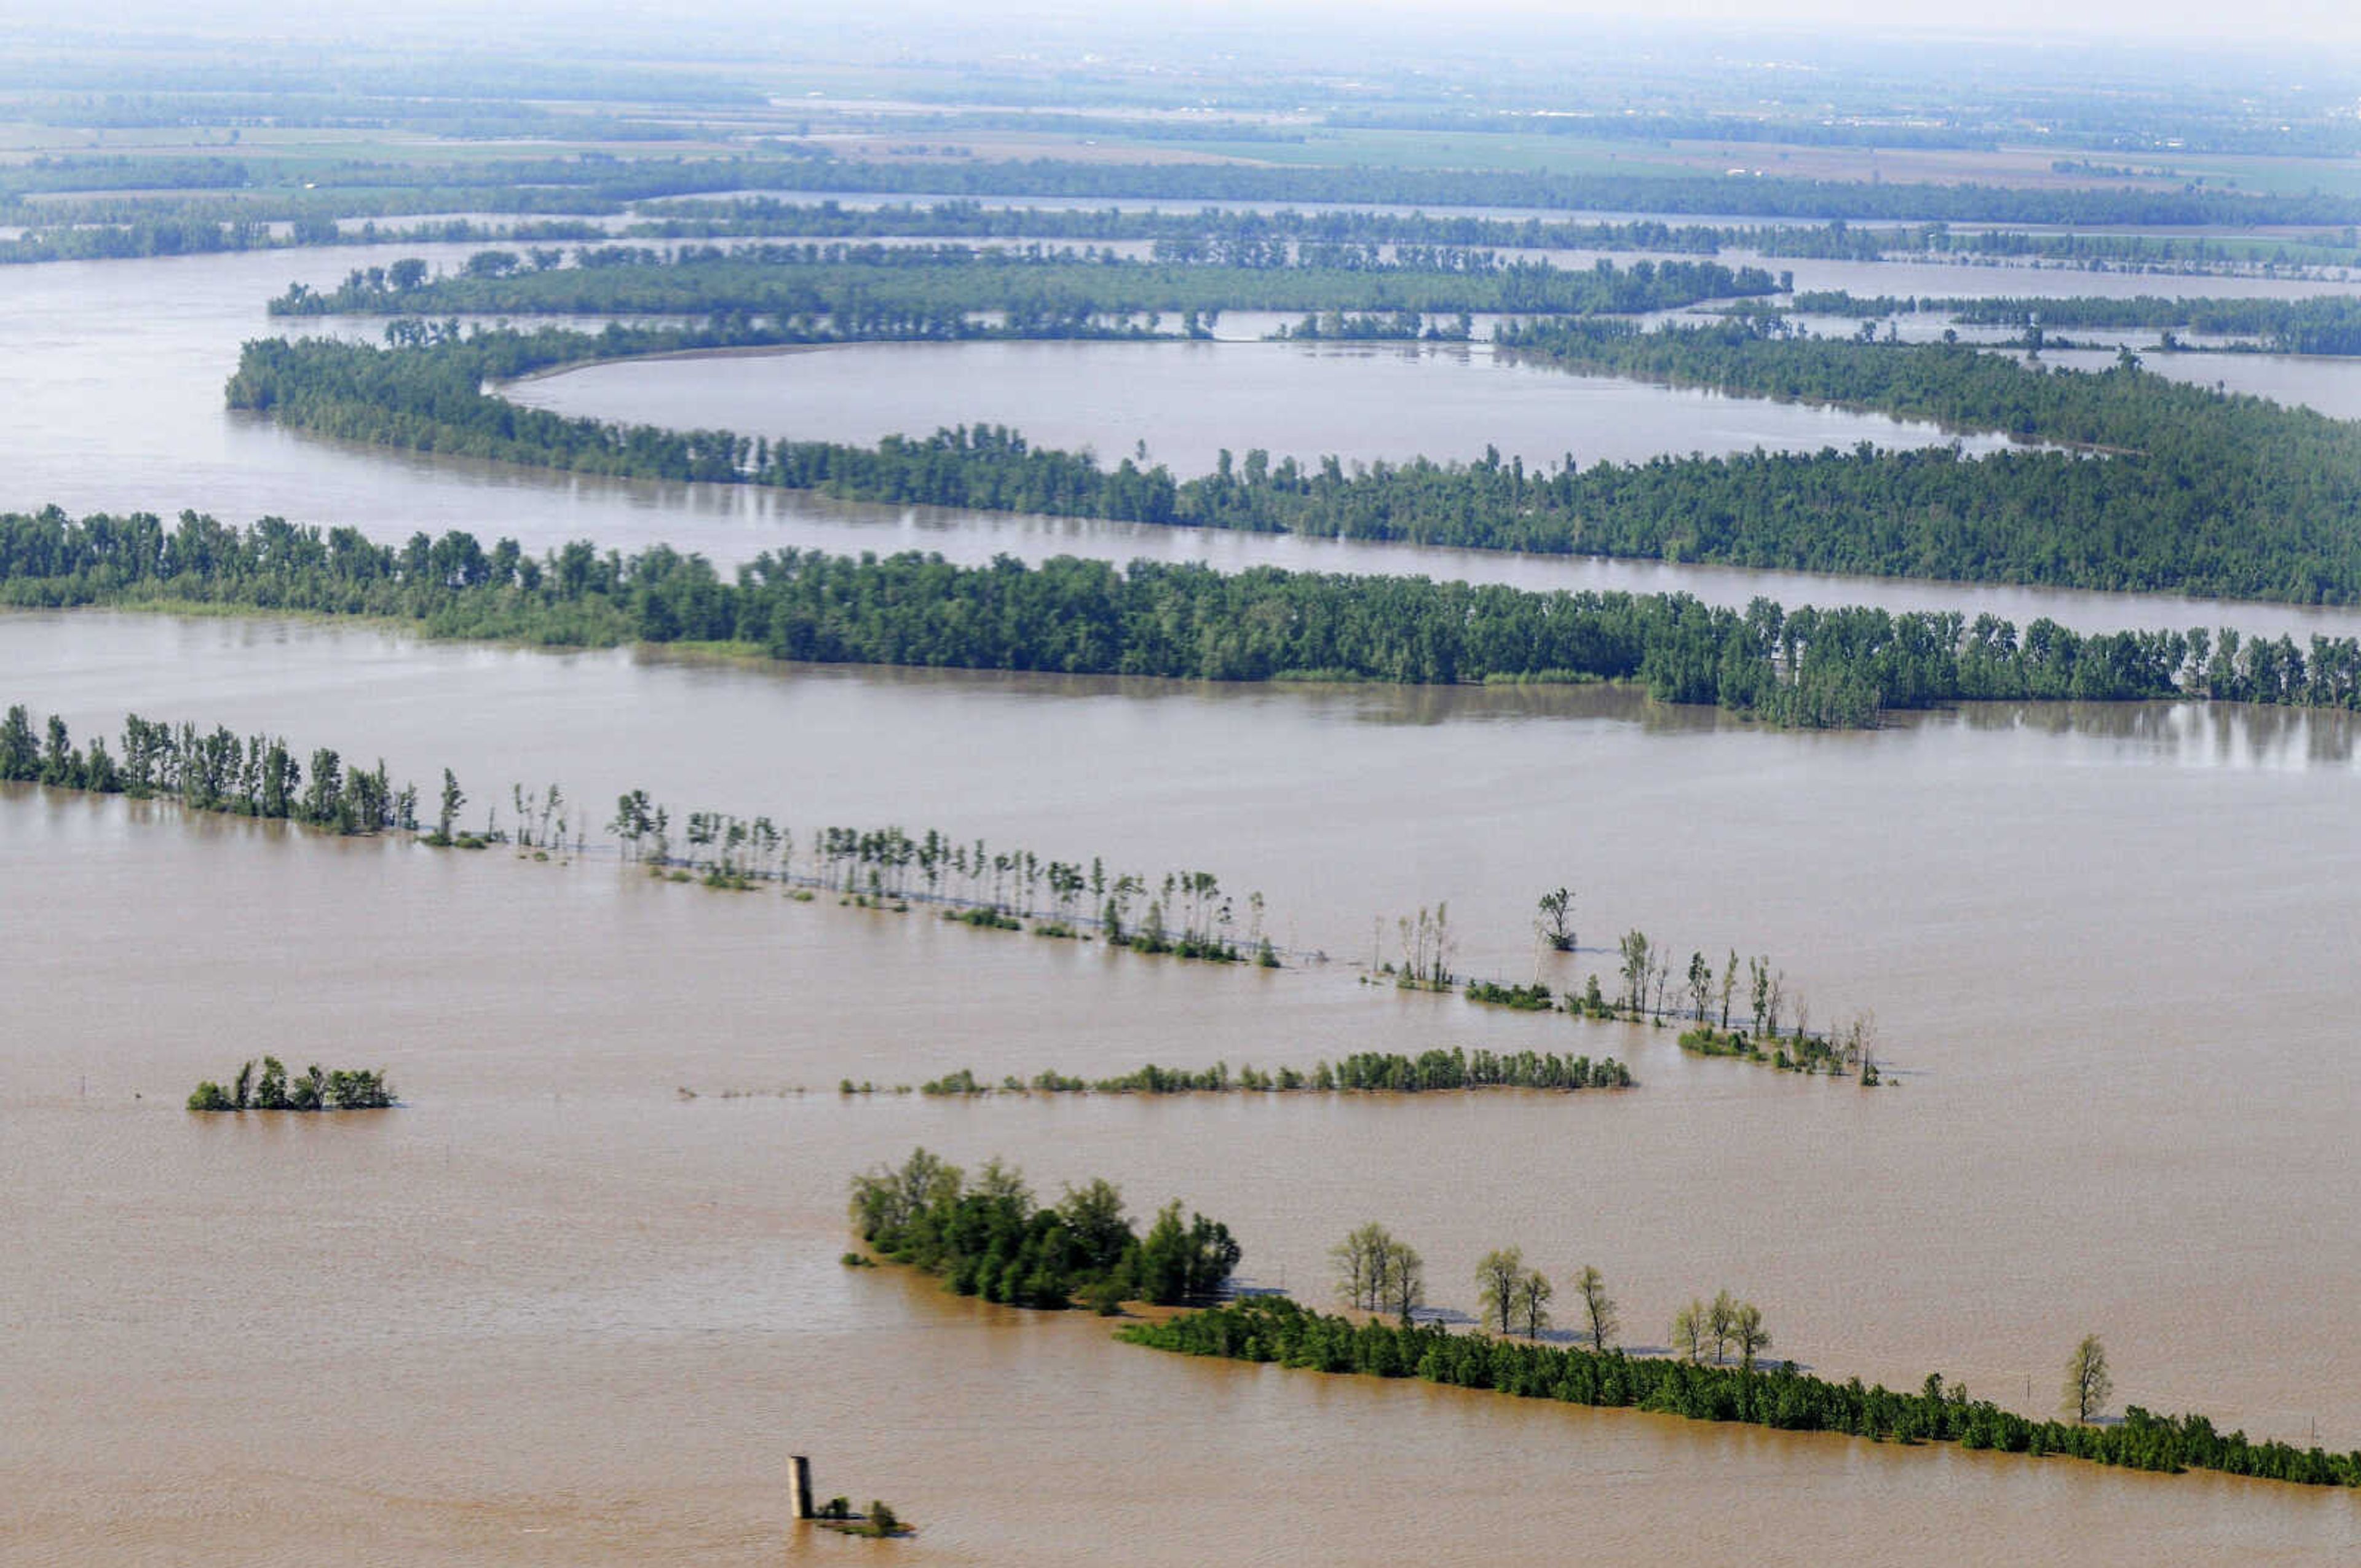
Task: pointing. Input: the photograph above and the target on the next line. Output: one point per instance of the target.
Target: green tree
(1751, 1336)
(1689, 1331)
(447, 812)
(1557, 919)
(1598, 1306)
(1500, 1278)
(2088, 1382)
(1533, 1293)
(1721, 1324)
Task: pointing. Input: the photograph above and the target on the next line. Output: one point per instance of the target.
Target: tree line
(2200, 491)
(1665, 194)
(1362, 1072)
(254, 775)
(2325, 324)
(1190, 233)
(1277, 1330)
(1806, 667)
(991, 1238)
(946, 283)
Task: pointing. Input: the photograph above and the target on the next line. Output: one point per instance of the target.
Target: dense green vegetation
(1190, 235)
(2327, 323)
(943, 285)
(255, 775)
(1667, 194)
(1364, 1072)
(989, 1238)
(199, 235)
(1808, 667)
(311, 1090)
(2205, 492)
(1277, 1330)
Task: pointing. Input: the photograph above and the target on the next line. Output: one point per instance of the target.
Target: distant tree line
(2325, 324)
(311, 1090)
(1668, 194)
(943, 285)
(1267, 1329)
(1188, 234)
(991, 1238)
(1363, 1072)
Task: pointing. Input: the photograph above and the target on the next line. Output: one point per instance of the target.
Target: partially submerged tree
(2087, 1383)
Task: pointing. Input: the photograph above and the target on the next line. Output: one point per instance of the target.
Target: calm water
(2108, 951)
(556, 1311)
(96, 357)
(1185, 401)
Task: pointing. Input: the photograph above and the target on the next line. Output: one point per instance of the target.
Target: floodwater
(1181, 403)
(556, 1311)
(553, 1309)
(116, 405)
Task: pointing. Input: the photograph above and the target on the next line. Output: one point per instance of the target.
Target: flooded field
(579, 1297)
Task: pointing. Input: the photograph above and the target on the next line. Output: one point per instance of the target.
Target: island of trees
(358, 1088)
(989, 1237)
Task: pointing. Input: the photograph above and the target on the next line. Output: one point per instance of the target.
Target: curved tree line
(2202, 493)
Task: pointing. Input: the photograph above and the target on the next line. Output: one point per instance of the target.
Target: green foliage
(1807, 667)
(1533, 998)
(841, 292)
(1371, 1073)
(343, 1090)
(2323, 324)
(254, 776)
(991, 1239)
(1276, 1330)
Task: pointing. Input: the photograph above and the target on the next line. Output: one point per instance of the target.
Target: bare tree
(1363, 1260)
(1405, 1290)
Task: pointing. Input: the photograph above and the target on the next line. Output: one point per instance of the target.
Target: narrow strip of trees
(1276, 1330)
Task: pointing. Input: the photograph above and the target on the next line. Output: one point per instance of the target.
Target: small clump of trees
(311, 1090)
(990, 1238)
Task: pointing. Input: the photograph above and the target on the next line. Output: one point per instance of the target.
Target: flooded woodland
(580, 1296)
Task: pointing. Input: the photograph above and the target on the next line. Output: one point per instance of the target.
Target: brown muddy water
(114, 402)
(552, 1310)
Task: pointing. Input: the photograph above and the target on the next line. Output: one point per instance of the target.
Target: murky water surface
(555, 1310)
(2107, 949)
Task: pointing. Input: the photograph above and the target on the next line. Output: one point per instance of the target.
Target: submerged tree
(1557, 919)
(1598, 1307)
(2088, 1382)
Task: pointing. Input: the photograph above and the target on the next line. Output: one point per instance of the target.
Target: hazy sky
(2278, 26)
